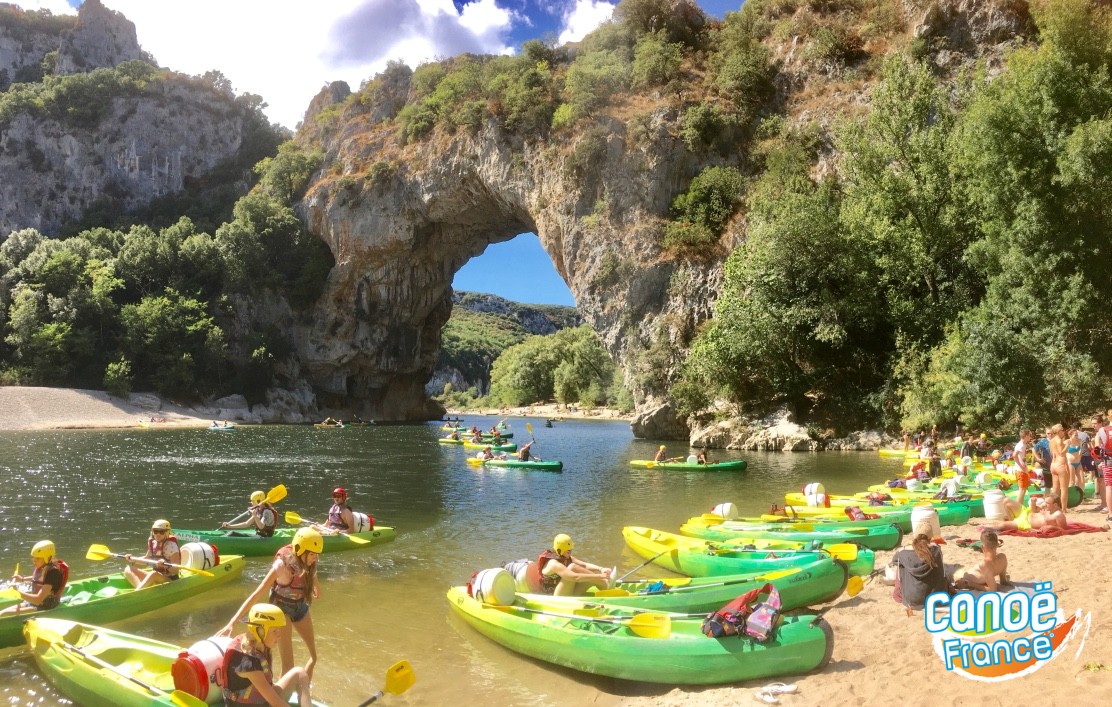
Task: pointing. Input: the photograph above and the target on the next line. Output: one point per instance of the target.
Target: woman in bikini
(1073, 457)
(1059, 467)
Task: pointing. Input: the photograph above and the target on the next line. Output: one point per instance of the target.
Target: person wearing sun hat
(162, 546)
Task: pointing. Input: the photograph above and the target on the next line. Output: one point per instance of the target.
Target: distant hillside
(482, 327)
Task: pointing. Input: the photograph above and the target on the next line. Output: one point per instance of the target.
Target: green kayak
(111, 597)
(948, 514)
(975, 504)
(534, 464)
(701, 558)
(885, 537)
(735, 465)
(99, 667)
(820, 581)
(607, 644)
(250, 545)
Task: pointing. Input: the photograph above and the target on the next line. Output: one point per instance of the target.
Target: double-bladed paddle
(646, 562)
(295, 519)
(399, 678)
(648, 624)
(273, 496)
(101, 552)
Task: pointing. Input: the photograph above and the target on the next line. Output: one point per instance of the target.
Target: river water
(385, 603)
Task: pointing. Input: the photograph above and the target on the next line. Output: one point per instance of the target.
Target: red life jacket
(156, 550)
(239, 690)
(548, 582)
(1107, 448)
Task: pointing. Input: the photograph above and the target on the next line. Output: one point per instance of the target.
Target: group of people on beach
(1066, 456)
(290, 587)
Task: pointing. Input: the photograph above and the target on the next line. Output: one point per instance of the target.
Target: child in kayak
(47, 582)
(564, 575)
(264, 517)
(248, 677)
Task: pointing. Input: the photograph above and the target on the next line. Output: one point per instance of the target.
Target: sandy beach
(34, 408)
(881, 655)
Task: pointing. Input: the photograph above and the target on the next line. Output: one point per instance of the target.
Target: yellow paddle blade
(616, 592)
(98, 553)
(276, 494)
(184, 699)
(651, 625)
(16, 568)
(529, 426)
(399, 677)
(854, 585)
(294, 519)
(843, 551)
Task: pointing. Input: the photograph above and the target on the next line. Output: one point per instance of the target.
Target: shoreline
(553, 411)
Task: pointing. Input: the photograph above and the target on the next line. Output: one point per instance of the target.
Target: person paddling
(162, 545)
(48, 581)
(264, 517)
(526, 452)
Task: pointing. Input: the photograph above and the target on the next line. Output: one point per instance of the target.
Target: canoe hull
(734, 465)
(250, 545)
(111, 598)
(685, 657)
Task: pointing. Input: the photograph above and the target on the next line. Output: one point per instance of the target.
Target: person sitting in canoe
(455, 434)
(48, 581)
(248, 677)
(497, 436)
(993, 565)
(340, 518)
(292, 585)
(701, 457)
(526, 452)
(263, 518)
(476, 437)
(661, 454)
(564, 575)
(1031, 517)
(487, 454)
(162, 546)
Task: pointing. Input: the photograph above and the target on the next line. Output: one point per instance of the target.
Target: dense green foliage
(569, 366)
(155, 309)
(481, 328)
(952, 270)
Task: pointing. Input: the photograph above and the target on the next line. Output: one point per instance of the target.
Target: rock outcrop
(102, 38)
(25, 40)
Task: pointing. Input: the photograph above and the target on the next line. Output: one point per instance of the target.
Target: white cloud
(585, 16)
(287, 50)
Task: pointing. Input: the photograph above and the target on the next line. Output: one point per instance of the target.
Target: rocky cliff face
(25, 40)
(399, 234)
(400, 224)
(102, 38)
(144, 147)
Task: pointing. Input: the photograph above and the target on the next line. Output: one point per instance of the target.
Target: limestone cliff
(401, 220)
(102, 38)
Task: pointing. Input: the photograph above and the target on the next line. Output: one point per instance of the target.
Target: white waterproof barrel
(727, 510)
(494, 586)
(925, 513)
(194, 671)
(815, 493)
(363, 522)
(913, 485)
(994, 505)
(199, 556)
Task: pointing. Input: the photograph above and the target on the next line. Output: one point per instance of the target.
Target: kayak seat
(79, 598)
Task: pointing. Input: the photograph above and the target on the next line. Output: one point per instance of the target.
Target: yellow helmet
(263, 617)
(161, 524)
(562, 543)
(983, 435)
(44, 550)
(663, 447)
(307, 540)
(258, 497)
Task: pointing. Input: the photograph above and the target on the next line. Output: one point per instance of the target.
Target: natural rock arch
(400, 228)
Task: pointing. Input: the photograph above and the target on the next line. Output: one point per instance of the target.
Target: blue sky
(287, 50)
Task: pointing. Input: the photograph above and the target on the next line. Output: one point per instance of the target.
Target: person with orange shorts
(1022, 473)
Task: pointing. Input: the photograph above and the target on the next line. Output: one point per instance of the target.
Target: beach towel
(1054, 532)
